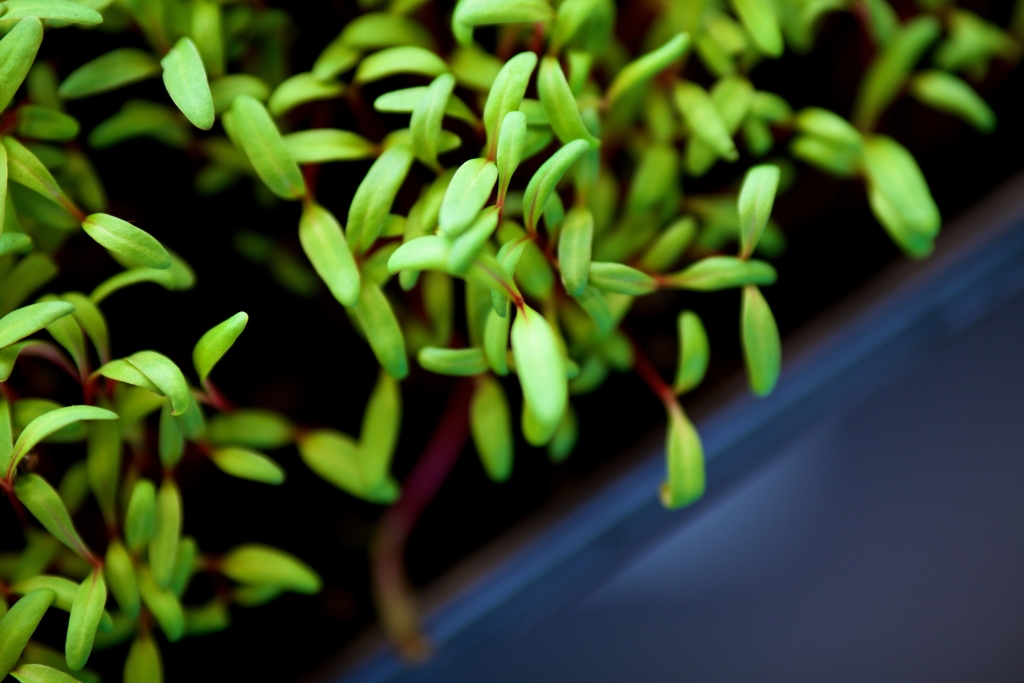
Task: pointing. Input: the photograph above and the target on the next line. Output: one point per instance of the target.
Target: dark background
(300, 355)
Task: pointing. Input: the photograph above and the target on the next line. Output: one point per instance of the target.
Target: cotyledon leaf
(17, 52)
(467, 245)
(121, 577)
(127, 241)
(50, 422)
(56, 10)
(425, 123)
(212, 346)
(693, 352)
(398, 60)
(166, 532)
(483, 12)
(46, 506)
(225, 89)
(647, 67)
(18, 625)
(113, 70)
(506, 95)
(762, 349)
(574, 247)
(140, 518)
(86, 613)
(406, 99)
(185, 79)
(540, 368)
(321, 145)
(324, 242)
(490, 423)
(143, 663)
(165, 375)
(704, 119)
(300, 89)
(379, 432)
(511, 143)
(27, 320)
(261, 565)
(757, 195)
(378, 322)
(262, 143)
(543, 182)
(456, 362)
(374, 196)
(952, 95)
(722, 272)
(496, 332)
(467, 193)
(684, 455)
(560, 105)
(247, 464)
(760, 20)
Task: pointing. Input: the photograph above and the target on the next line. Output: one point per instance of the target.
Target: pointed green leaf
(829, 126)
(467, 194)
(511, 143)
(899, 196)
(426, 119)
(951, 95)
(404, 101)
(18, 625)
(380, 430)
(56, 10)
(166, 533)
(429, 252)
(48, 423)
(40, 673)
(647, 67)
(757, 195)
(574, 247)
(704, 118)
(212, 346)
(694, 351)
(113, 70)
(484, 12)
(163, 605)
(378, 322)
(251, 427)
(300, 89)
(336, 458)
(621, 279)
(378, 29)
(327, 144)
(669, 245)
(86, 612)
(17, 52)
(185, 566)
(127, 241)
(540, 367)
(225, 89)
(262, 565)
(400, 60)
(178, 277)
(543, 182)
(143, 664)
(374, 196)
(45, 505)
(139, 118)
(30, 319)
(121, 577)
(467, 246)
(760, 20)
(560, 105)
(722, 272)
(185, 79)
(889, 71)
(170, 442)
(506, 95)
(762, 349)
(25, 168)
(490, 423)
(140, 520)
(262, 143)
(456, 362)
(496, 333)
(246, 464)
(43, 123)
(165, 375)
(684, 457)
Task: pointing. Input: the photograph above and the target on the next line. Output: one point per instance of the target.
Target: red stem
(395, 601)
(650, 376)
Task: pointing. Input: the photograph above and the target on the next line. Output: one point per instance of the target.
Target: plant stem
(650, 376)
(396, 605)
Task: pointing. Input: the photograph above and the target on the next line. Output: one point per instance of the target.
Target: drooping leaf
(543, 182)
(17, 52)
(46, 506)
(560, 105)
(18, 625)
(163, 605)
(506, 94)
(757, 196)
(647, 67)
(185, 79)
(490, 423)
(124, 239)
(246, 464)
(762, 349)
(262, 143)
(704, 119)
(165, 375)
(949, 94)
(760, 20)
(262, 565)
(113, 70)
(86, 613)
(212, 346)
(374, 196)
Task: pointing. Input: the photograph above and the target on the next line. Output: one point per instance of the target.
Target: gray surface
(884, 544)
